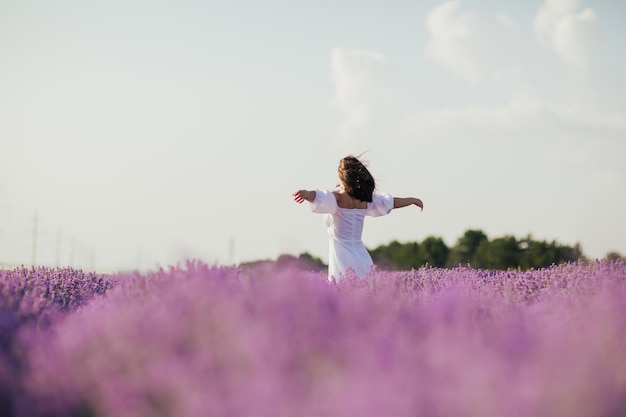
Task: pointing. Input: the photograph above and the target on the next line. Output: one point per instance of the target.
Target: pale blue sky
(140, 133)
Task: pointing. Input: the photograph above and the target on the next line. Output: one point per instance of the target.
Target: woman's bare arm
(399, 202)
(301, 195)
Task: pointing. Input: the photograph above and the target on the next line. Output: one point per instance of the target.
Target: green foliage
(397, 256)
(433, 251)
(615, 256)
(312, 261)
(303, 261)
(537, 254)
(476, 249)
(463, 252)
(499, 253)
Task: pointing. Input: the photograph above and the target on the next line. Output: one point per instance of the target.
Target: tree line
(474, 248)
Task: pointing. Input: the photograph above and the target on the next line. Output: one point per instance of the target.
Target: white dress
(345, 227)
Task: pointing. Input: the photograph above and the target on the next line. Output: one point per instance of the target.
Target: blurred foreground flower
(211, 341)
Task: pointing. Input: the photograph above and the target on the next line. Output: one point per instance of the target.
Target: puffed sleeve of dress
(324, 202)
(381, 205)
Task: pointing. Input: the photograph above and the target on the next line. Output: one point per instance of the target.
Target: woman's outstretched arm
(399, 202)
(301, 195)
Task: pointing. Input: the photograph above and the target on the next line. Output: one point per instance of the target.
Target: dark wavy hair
(356, 179)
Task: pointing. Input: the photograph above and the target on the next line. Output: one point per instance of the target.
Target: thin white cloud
(453, 40)
(565, 28)
(353, 73)
(479, 47)
(506, 21)
(581, 114)
(472, 45)
(516, 115)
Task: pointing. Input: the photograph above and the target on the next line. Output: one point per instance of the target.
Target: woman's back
(345, 200)
(348, 224)
(345, 227)
(349, 218)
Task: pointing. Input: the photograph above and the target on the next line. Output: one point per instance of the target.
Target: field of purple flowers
(216, 341)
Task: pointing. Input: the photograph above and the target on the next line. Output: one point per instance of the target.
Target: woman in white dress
(346, 209)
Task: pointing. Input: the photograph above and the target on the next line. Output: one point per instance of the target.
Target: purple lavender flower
(198, 340)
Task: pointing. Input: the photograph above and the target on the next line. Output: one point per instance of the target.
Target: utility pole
(72, 251)
(231, 250)
(58, 254)
(4, 208)
(92, 259)
(139, 258)
(34, 254)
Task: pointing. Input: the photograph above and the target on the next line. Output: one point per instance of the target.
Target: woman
(346, 209)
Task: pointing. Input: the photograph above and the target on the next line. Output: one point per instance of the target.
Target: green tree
(500, 253)
(396, 255)
(433, 251)
(569, 253)
(614, 256)
(476, 249)
(465, 249)
(312, 261)
(537, 254)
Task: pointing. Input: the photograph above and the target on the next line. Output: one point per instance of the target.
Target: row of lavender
(199, 340)
(35, 300)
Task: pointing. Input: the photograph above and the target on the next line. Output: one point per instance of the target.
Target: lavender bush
(216, 341)
(33, 299)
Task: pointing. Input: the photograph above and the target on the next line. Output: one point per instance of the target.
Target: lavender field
(198, 340)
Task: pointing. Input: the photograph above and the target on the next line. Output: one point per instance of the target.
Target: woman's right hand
(301, 195)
